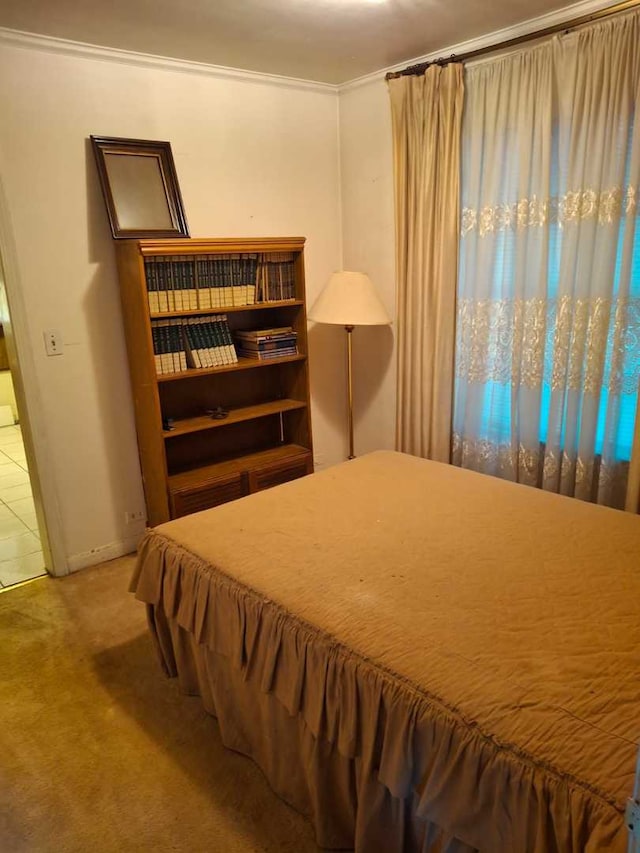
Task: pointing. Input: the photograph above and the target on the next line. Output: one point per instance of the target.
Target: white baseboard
(102, 553)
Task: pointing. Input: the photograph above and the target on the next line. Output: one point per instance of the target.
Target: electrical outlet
(134, 517)
(52, 342)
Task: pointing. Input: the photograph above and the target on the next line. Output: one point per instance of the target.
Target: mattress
(471, 643)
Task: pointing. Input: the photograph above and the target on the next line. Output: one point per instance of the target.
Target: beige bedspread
(475, 641)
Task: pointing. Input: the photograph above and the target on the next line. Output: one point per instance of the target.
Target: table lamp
(349, 299)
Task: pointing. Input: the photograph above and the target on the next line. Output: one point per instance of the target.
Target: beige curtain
(426, 115)
(548, 331)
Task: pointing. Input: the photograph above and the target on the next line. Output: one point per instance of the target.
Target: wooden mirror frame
(161, 151)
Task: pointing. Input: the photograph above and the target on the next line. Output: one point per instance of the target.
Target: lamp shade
(349, 299)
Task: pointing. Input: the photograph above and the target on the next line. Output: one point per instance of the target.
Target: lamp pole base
(349, 331)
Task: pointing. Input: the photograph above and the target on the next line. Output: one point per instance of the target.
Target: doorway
(21, 556)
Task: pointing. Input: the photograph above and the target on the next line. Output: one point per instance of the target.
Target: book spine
(175, 298)
(260, 279)
(198, 267)
(213, 357)
(216, 284)
(181, 341)
(227, 299)
(171, 298)
(193, 357)
(211, 281)
(220, 339)
(157, 352)
(227, 341)
(197, 279)
(235, 283)
(217, 332)
(266, 346)
(190, 283)
(162, 347)
(253, 280)
(203, 349)
(152, 287)
(266, 356)
(182, 285)
(175, 345)
(244, 279)
(212, 332)
(162, 286)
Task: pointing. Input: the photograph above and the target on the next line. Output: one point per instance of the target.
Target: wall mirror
(140, 188)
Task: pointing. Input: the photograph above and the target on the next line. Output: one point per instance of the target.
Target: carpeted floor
(98, 750)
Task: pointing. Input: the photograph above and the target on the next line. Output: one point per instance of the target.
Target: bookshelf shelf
(285, 303)
(242, 364)
(266, 437)
(235, 416)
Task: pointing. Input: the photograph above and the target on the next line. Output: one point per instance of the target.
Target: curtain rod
(421, 67)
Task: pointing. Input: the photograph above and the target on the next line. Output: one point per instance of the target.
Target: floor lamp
(349, 299)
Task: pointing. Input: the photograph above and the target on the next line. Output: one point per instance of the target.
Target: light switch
(53, 342)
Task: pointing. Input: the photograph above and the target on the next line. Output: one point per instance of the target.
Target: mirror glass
(138, 191)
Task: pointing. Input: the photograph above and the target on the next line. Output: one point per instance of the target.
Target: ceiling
(329, 41)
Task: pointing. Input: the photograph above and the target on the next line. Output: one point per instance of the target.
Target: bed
(420, 658)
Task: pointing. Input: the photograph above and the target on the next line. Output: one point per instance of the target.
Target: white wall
(366, 160)
(254, 158)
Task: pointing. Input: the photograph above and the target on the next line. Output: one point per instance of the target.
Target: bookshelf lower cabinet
(200, 489)
(216, 334)
(196, 498)
(280, 472)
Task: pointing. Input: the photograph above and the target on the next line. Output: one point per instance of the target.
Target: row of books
(277, 278)
(265, 344)
(183, 344)
(168, 346)
(188, 283)
(184, 283)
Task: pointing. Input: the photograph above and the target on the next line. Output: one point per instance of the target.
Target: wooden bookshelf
(265, 437)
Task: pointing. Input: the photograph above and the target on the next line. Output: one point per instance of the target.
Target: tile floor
(20, 550)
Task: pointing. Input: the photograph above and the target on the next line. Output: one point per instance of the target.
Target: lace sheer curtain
(426, 114)
(548, 316)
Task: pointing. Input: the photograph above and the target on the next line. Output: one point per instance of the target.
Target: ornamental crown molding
(67, 47)
(549, 19)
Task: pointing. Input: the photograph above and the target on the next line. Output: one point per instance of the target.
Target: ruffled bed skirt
(375, 763)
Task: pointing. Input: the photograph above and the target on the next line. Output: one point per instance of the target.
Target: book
(265, 334)
(168, 346)
(212, 358)
(163, 299)
(217, 272)
(204, 350)
(203, 282)
(165, 362)
(176, 285)
(176, 344)
(219, 353)
(190, 284)
(265, 346)
(170, 289)
(276, 277)
(157, 347)
(152, 284)
(270, 354)
(191, 345)
(228, 340)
